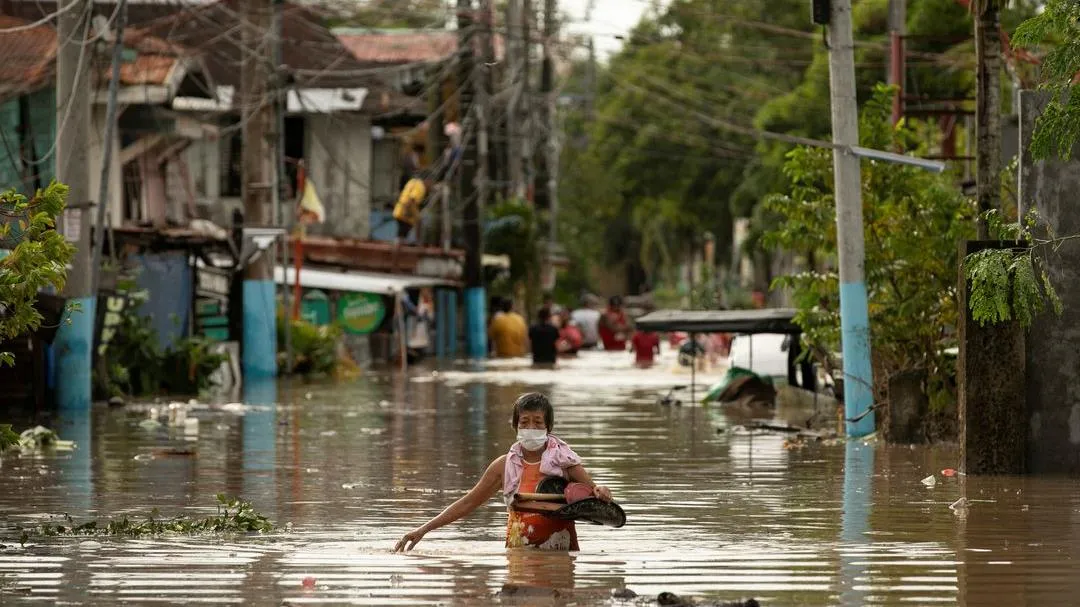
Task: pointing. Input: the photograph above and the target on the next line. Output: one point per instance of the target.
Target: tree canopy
(669, 153)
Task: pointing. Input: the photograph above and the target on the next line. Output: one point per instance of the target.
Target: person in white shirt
(587, 318)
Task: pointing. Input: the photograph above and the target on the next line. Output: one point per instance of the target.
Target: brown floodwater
(345, 470)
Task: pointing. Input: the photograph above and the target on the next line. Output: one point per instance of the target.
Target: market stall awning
(772, 320)
(357, 282)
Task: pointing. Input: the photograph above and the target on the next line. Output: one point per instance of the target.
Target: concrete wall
(1053, 343)
(338, 152)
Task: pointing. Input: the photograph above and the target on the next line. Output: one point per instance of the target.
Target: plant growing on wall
(1058, 29)
(913, 222)
(1013, 283)
(38, 259)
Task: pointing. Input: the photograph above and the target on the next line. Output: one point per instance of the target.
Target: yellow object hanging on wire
(311, 208)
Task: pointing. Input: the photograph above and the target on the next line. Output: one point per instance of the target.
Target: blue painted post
(440, 324)
(451, 324)
(476, 329)
(855, 343)
(73, 350)
(260, 330)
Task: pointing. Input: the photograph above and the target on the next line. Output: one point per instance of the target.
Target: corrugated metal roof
(356, 282)
(397, 47)
(407, 46)
(26, 56)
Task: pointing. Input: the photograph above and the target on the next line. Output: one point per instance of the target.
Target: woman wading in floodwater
(536, 455)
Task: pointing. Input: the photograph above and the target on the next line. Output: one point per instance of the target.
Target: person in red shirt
(570, 338)
(646, 346)
(614, 326)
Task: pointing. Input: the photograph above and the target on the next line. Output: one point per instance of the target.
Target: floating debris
(234, 516)
(930, 481)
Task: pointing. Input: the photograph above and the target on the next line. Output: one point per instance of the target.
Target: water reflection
(717, 515)
(75, 467)
(855, 522)
(260, 432)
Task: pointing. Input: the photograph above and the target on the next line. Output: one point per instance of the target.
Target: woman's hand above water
(410, 539)
(602, 493)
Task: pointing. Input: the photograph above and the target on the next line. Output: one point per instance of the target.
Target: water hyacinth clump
(234, 516)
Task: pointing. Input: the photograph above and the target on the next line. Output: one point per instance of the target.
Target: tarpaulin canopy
(772, 320)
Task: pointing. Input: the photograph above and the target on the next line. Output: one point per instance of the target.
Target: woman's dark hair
(534, 401)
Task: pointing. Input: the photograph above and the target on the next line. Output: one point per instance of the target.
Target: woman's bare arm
(488, 484)
(579, 474)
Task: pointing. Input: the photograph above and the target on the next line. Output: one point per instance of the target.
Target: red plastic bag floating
(949, 472)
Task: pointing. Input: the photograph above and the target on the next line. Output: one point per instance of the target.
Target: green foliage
(234, 516)
(314, 347)
(512, 230)
(645, 174)
(136, 365)
(8, 438)
(1012, 283)
(38, 260)
(913, 222)
(1057, 29)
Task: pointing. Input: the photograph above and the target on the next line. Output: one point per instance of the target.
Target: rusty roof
(397, 47)
(401, 46)
(312, 53)
(27, 56)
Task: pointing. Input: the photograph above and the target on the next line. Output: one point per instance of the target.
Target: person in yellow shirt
(508, 331)
(407, 211)
(409, 204)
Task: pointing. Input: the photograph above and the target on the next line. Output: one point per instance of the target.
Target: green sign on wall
(315, 308)
(360, 313)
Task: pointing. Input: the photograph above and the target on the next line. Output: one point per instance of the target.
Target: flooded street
(346, 470)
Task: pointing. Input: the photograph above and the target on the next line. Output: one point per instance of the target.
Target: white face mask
(532, 440)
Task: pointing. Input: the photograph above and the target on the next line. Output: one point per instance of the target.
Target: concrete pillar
(908, 408)
(1053, 343)
(990, 388)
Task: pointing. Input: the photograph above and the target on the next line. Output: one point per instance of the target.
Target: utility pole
(75, 340)
(106, 154)
(525, 103)
(854, 316)
(257, 184)
(987, 110)
(545, 178)
(897, 67)
(515, 68)
(485, 88)
(590, 82)
(282, 212)
(472, 185)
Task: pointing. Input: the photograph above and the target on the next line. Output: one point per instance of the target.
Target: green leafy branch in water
(38, 261)
(1013, 283)
(234, 516)
(8, 438)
